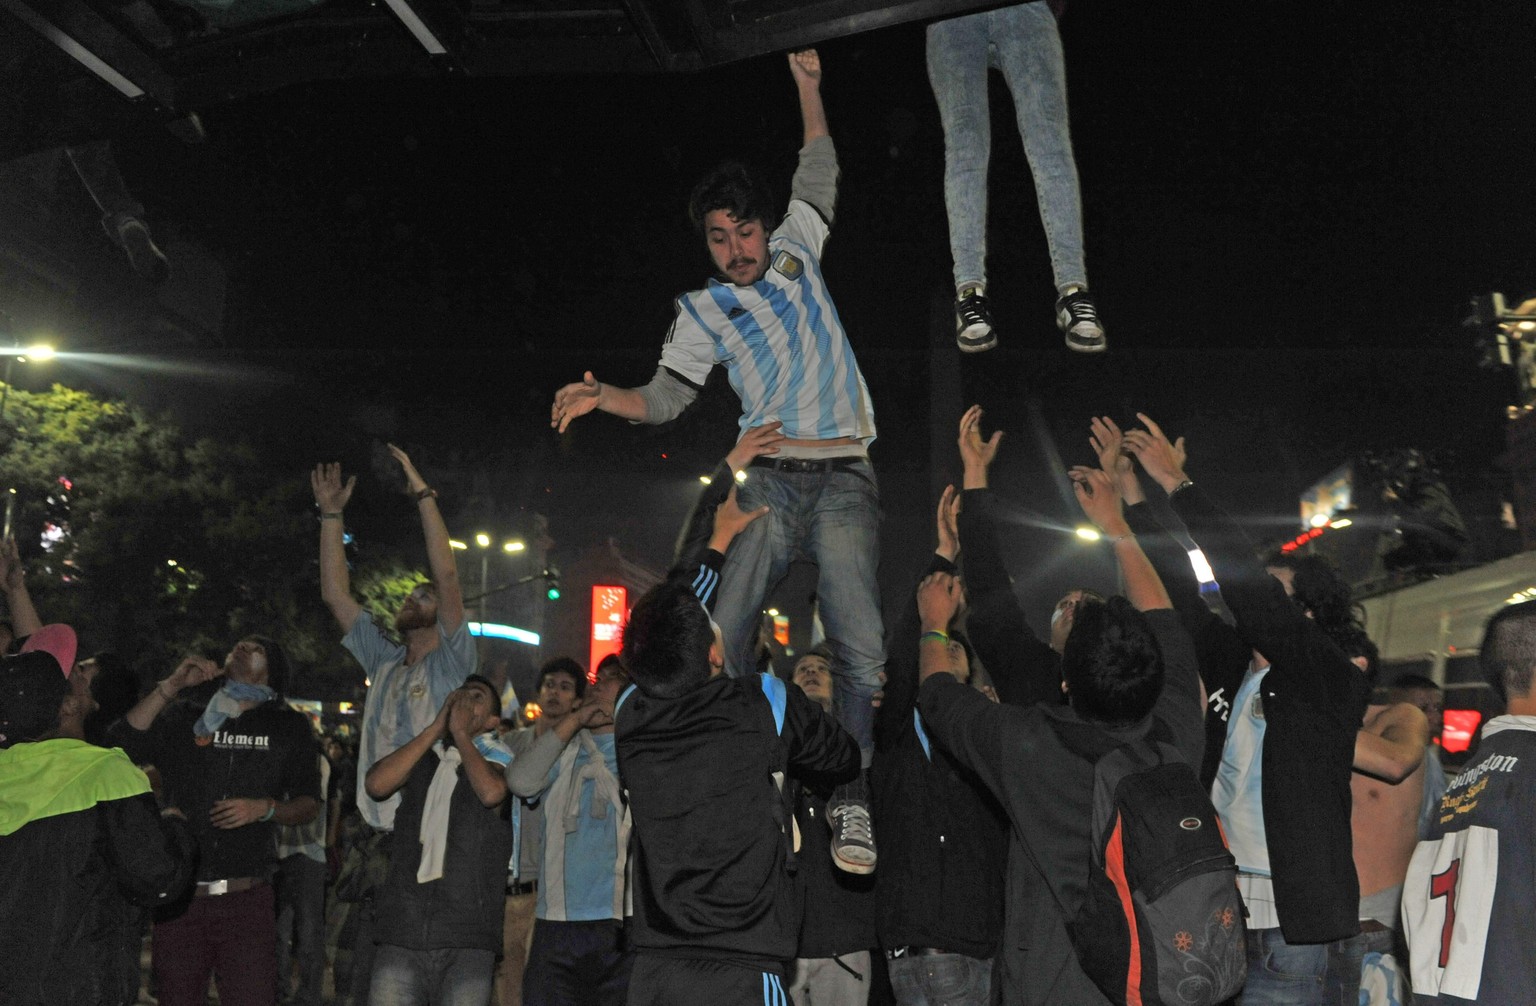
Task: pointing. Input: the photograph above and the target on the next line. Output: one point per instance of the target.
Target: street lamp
(483, 540)
(39, 352)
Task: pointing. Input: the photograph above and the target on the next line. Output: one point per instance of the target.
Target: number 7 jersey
(1469, 900)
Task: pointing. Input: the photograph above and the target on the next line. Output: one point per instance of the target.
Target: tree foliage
(175, 544)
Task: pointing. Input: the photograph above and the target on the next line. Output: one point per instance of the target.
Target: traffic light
(552, 583)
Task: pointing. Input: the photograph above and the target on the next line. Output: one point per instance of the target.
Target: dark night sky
(1287, 207)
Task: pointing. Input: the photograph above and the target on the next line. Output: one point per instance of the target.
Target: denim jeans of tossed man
(832, 519)
(1023, 43)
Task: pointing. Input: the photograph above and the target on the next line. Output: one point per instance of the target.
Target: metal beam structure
(339, 40)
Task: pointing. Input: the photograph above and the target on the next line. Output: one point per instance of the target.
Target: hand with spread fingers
(755, 443)
(1099, 496)
(1162, 460)
(976, 454)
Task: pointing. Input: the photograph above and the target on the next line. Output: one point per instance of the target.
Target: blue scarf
(225, 705)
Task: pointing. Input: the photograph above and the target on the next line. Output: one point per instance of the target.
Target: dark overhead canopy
(70, 69)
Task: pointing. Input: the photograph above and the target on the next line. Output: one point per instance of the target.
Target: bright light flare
(1201, 566)
(513, 546)
(1088, 534)
(455, 543)
(483, 540)
(1341, 522)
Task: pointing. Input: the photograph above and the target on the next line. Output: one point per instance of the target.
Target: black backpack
(1162, 920)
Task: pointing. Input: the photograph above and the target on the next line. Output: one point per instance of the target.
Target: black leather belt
(808, 465)
(899, 952)
(526, 887)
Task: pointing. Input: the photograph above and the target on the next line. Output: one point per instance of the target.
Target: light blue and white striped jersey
(780, 340)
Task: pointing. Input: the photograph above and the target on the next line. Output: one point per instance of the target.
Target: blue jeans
(832, 519)
(941, 980)
(1280, 974)
(404, 977)
(1345, 959)
(1023, 43)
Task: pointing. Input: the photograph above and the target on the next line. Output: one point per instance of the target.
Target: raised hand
(462, 722)
(1099, 496)
(1162, 460)
(805, 67)
(731, 519)
(414, 483)
(1109, 444)
(938, 598)
(976, 454)
(331, 494)
(755, 443)
(190, 672)
(575, 400)
(947, 521)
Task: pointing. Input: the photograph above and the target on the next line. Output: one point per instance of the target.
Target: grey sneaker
(973, 321)
(1078, 318)
(853, 836)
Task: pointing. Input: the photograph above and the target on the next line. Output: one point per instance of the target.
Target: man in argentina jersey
(769, 320)
(1468, 897)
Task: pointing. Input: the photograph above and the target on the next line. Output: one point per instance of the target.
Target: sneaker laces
(853, 823)
(1080, 308)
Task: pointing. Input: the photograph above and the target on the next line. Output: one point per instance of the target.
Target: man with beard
(768, 318)
(237, 765)
(408, 682)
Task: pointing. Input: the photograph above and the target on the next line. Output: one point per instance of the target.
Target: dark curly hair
(1111, 663)
(732, 187)
(568, 666)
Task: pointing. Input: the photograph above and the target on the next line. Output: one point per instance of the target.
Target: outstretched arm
(1099, 496)
(445, 572)
(575, 400)
(13, 577)
(331, 496)
(805, 68)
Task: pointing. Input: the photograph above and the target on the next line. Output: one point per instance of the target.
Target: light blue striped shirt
(780, 339)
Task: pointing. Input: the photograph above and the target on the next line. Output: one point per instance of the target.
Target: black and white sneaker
(1078, 318)
(853, 836)
(973, 321)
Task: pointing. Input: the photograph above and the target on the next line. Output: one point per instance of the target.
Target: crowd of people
(1160, 802)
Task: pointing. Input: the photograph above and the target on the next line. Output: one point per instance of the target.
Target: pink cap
(57, 640)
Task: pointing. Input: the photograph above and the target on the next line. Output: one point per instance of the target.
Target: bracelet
(1181, 487)
(331, 516)
(271, 812)
(942, 637)
(1122, 537)
(169, 698)
(426, 494)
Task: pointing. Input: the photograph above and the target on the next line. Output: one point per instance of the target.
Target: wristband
(1181, 487)
(331, 516)
(942, 637)
(427, 493)
(271, 813)
(169, 698)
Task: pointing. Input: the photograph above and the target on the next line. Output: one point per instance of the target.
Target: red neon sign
(610, 606)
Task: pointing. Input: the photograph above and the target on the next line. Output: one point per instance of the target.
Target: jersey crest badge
(787, 265)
